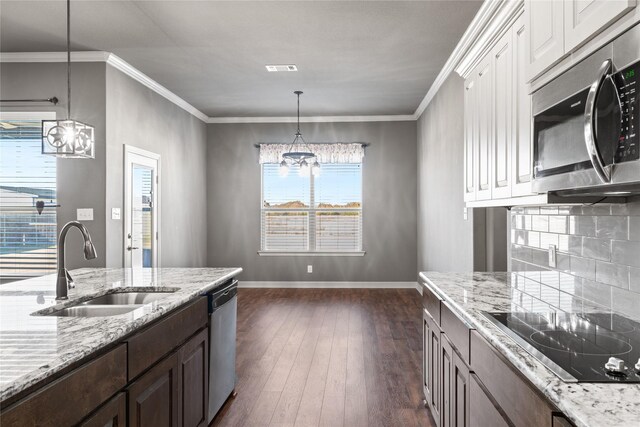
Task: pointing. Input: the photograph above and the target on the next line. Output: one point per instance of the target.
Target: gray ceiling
(354, 57)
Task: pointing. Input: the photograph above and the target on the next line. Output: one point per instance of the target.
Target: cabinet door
(484, 106)
(193, 374)
(111, 414)
(446, 369)
(483, 411)
(459, 393)
(153, 398)
(585, 18)
(501, 57)
(470, 137)
(432, 371)
(521, 147)
(545, 22)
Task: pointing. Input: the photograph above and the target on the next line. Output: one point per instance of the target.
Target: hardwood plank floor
(328, 357)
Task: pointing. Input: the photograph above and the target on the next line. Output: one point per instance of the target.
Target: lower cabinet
(193, 374)
(455, 387)
(111, 414)
(432, 363)
(483, 411)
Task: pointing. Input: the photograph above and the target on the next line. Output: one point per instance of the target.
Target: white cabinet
(545, 21)
(585, 18)
(483, 110)
(503, 113)
(470, 136)
(521, 147)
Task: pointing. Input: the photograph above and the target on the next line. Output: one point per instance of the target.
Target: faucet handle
(70, 281)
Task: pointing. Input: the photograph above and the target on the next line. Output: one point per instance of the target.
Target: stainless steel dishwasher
(223, 309)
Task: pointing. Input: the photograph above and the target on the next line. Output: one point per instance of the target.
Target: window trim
(311, 238)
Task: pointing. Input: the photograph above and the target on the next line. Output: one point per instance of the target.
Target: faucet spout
(64, 278)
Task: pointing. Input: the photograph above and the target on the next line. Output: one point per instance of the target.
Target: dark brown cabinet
(111, 414)
(432, 350)
(446, 367)
(153, 398)
(193, 374)
(455, 387)
(483, 411)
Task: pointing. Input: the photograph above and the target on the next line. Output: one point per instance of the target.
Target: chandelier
(299, 153)
(68, 138)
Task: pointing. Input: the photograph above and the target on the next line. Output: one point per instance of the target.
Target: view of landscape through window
(27, 239)
(307, 213)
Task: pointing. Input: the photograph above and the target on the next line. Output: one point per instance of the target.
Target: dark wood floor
(331, 357)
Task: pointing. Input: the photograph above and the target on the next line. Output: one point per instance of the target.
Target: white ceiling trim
(485, 27)
(313, 119)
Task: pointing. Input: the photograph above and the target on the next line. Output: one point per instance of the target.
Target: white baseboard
(334, 285)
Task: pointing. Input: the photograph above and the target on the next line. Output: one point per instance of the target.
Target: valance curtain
(325, 153)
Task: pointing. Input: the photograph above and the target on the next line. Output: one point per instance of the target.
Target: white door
(545, 22)
(484, 105)
(585, 18)
(141, 207)
(503, 117)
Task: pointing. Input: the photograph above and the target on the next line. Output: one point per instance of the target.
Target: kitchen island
(467, 295)
(38, 350)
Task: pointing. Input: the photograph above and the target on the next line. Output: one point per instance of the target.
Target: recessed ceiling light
(277, 68)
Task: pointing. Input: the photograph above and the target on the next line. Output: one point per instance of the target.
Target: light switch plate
(465, 214)
(115, 213)
(553, 259)
(85, 214)
(309, 268)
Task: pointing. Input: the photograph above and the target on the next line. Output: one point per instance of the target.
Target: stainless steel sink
(94, 310)
(126, 298)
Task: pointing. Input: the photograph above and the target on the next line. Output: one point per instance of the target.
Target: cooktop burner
(589, 347)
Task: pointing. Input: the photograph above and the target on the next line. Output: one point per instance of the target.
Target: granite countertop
(586, 404)
(35, 347)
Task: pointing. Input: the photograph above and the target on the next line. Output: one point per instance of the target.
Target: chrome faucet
(64, 278)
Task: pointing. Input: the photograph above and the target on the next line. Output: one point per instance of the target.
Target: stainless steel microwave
(586, 124)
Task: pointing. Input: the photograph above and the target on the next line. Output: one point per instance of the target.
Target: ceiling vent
(277, 68)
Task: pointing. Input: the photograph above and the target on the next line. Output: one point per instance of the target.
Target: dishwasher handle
(220, 297)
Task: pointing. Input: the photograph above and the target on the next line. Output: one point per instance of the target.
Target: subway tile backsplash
(598, 255)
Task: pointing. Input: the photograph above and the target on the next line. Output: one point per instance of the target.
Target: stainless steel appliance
(223, 309)
(588, 347)
(586, 121)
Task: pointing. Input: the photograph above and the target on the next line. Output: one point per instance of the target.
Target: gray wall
(445, 238)
(138, 116)
(598, 254)
(80, 183)
(389, 202)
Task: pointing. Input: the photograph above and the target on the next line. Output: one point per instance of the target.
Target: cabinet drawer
(456, 329)
(483, 411)
(68, 400)
(112, 413)
(520, 402)
(431, 302)
(153, 343)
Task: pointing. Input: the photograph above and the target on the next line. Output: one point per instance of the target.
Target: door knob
(130, 248)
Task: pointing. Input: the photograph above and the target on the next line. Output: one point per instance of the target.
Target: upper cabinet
(545, 21)
(583, 19)
(556, 28)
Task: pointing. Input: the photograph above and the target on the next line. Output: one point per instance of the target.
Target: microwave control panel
(628, 82)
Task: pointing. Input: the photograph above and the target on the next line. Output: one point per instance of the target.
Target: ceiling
(354, 57)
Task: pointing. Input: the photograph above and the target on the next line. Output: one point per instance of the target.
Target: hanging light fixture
(299, 153)
(68, 138)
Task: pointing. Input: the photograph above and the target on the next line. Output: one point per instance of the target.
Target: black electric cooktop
(577, 346)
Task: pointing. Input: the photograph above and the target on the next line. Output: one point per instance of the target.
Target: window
(27, 239)
(312, 214)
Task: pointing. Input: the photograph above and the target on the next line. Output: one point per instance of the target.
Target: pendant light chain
(68, 59)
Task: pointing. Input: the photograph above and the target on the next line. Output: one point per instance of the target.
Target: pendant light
(299, 153)
(68, 138)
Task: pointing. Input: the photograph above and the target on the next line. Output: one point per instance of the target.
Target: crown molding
(492, 19)
(313, 119)
(111, 59)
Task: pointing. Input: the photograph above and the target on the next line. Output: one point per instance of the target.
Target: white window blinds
(312, 214)
(27, 240)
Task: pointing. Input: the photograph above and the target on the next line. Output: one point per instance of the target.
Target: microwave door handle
(601, 169)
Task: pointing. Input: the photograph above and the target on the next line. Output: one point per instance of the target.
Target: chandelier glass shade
(68, 138)
(299, 153)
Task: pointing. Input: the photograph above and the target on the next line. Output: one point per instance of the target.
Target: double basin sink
(109, 304)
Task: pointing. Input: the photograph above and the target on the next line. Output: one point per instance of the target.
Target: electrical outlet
(309, 268)
(465, 214)
(84, 214)
(553, 259)
(115, 213)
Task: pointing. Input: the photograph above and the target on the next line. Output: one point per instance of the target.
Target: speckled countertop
(586, 404)
(33, 348)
